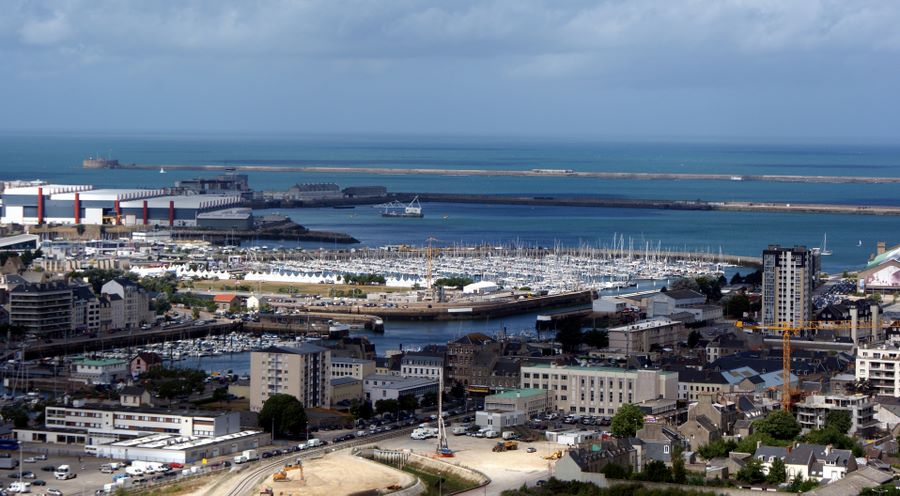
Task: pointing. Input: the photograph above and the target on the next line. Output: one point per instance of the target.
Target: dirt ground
(507, 470)
(339, 473)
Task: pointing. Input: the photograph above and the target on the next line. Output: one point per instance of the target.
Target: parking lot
(87, 469)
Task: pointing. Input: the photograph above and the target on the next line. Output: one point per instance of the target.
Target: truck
(460, 430)
(246, 456)
(9, 463)
(20, 487)
(150, 467)
(507, 435)
(502, 446)
(423, 433)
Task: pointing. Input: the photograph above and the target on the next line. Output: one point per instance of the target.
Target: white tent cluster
(182, 272)
(403, 281)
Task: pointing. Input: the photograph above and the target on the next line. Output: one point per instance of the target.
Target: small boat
(737, 178)
(860, 243)
(162, 171)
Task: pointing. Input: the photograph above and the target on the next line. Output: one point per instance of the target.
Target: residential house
(768, 454)
(657, 443)
(144, 361)
(224, 301)
(814, 461)
(134, 396)
(584, 463)
(85, 310)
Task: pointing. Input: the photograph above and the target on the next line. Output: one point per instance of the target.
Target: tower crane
(789, 329)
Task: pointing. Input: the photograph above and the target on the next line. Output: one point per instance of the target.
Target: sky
(692, 69)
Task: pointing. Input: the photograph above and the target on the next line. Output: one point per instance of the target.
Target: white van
(20, 487)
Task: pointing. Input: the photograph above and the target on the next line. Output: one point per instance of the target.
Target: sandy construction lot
(339, 473)
(507, 470)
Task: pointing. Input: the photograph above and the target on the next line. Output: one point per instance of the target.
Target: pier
(552, 173)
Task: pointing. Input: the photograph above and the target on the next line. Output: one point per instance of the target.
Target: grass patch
(177, 489)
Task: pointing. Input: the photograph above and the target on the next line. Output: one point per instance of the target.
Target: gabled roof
(804, 453)
(224, 297)
(770, 451)
(132, 391)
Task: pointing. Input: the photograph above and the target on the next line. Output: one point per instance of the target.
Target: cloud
(45, 31)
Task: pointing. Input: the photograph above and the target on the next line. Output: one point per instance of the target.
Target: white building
(598, 390)
(880, 365)
(499, 420)
(414, 365)
(813, 410)
(99, 371)
(356, 368)
(666, 303)
(789, 277)
(136, 301)
(391, 387)
(101, 424)
(166, 448)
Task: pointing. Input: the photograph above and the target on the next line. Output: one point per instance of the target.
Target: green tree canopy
(779, 424)
(751, 472)
(283, 415)
(627, 421)
(839, 420)
(596, 338)
(408, 402)
(777, 472)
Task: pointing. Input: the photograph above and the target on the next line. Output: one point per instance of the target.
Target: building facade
(530, 401)
(44, 309)
(303, 372)
(789, 277)
(391, 387)
(135, 300)
(356, 368)
(414, 365)
(880, 365)
(647, 335)
(812, 411)
(598, 390)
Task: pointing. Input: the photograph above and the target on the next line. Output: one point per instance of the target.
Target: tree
(361, 409)
(408, 402)
(779, 424)
(596, 338)
(751, 472)
(195, 312)
(679, 473)
(684, 283)
(656, 471)
(458, 391)
(693, 339)
(283, 415)
(429, 399)
(717, 449)
(777, 473)
(737, 305)
(569, 335)
(839, 420)
(615, 471)
(627, 421)
(17, 414)
(386, 406)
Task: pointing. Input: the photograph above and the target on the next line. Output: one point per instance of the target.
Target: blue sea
(57, 158)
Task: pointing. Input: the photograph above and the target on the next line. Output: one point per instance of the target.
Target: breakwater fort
(567, 173)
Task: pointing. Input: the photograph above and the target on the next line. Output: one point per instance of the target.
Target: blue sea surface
(57, 158)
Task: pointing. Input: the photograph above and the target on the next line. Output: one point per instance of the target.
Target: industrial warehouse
(34, 203)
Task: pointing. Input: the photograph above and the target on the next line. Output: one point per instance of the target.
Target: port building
(37, 204)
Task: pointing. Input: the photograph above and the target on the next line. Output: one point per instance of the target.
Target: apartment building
(136, 301)
(880, 365)
(44, 308)
(356, 368)
(598, 390)
(789, 277)
(303, 372)
(641, 336)
(85, 310)
(428, 366)
(813, 410)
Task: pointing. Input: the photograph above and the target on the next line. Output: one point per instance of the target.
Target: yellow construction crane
(788, 329)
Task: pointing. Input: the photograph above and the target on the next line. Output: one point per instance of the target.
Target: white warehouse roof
(185, 201)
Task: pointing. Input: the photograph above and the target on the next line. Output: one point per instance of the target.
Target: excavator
(556, 455)
(282, 475)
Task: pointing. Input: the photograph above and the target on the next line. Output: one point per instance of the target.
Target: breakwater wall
(550, 173)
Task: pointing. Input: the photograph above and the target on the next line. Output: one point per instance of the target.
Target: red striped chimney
(171, 212)
(145, 212)
(77, 209)
(40, 199)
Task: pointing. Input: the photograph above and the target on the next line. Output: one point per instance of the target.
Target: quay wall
(567, 173)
